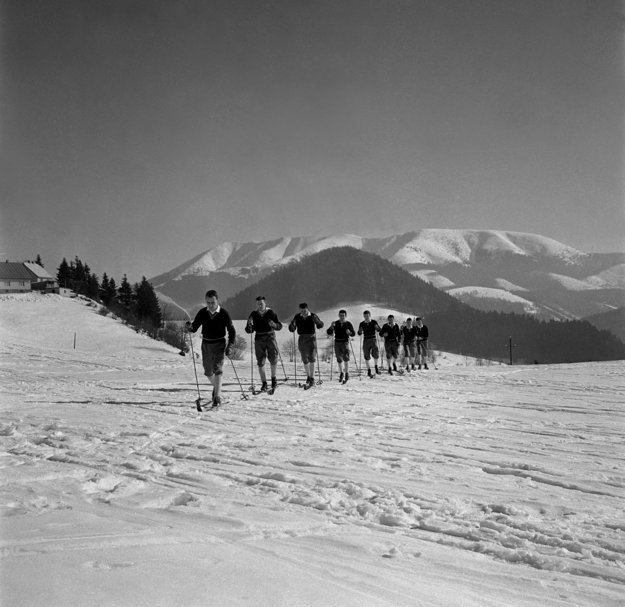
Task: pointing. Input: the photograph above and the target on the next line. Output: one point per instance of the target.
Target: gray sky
(138, 133)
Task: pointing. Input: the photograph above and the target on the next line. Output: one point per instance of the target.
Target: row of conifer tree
(136, 304)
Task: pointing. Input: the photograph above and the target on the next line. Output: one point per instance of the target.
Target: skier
(368, 329)
(409, 340)
(305, 322)
(422, 343)
(391, 334)
(264, 322)
(215, 322)
(342, 330)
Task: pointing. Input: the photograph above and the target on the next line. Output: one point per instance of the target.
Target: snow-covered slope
(466, 485)
(554, 275)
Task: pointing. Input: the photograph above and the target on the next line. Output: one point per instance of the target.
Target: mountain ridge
(481, 267)
(333, 276)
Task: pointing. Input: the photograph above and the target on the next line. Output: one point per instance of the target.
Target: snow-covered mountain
(489, 269)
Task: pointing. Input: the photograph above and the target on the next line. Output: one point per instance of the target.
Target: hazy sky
(138, 133)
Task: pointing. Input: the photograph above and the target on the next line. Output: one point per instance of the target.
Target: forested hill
(337, 276)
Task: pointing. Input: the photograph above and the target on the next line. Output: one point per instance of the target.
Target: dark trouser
(341, 349)
(391, 348)
(370, 348)
(410, 349)
(307, 345)
(266, 347)
(422, 347)
(213, 353)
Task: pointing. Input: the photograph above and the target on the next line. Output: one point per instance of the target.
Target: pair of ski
(308, 386)
(213, 406)
(268, 391)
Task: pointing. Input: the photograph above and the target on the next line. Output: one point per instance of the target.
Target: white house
(22, 277)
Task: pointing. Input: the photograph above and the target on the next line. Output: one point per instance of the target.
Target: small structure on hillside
(26, 276)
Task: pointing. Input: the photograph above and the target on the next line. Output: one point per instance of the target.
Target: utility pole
(510, 346)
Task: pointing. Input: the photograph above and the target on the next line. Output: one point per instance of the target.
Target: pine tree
(63, 274)
(38, 260)
(125, 297)
(148, 309)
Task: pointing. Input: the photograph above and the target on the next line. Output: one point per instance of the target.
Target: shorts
(307, 345)
(370, 348)
(213, 353)
(391, 348)
(410, 349)
(422, 347)
(341, 349)
(266, 347)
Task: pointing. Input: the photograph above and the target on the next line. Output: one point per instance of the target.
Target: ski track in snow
(521, 465)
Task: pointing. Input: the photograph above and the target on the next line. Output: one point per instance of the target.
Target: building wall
(14, 286)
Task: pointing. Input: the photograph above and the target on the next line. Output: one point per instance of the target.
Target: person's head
(303, 308)
(409, 322)
(342, 314)
(419, 320)
(391, 319)
(261, 303)
(212, 299)
(367, 315)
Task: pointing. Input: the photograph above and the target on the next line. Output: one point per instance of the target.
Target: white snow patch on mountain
(488, 293)
(502, 283)
(467, 485)
(612, 278)
(432, 246)
(434, 278)
(570, 283)
(211, 261)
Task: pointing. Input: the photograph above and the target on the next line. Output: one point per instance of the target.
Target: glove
(228, 350)
(188, 325)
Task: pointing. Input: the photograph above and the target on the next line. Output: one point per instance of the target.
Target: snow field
(462, 486)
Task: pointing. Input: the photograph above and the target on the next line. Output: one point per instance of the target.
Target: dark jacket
(368, 329)
(305, 325)
(409, 334)
(263, 324)
(342, 331)
(390, 333)
(215, 326)
(422, 333)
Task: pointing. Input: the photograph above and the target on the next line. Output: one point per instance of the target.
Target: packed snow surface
(461, 485)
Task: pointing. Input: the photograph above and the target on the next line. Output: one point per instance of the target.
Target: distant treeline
(335, 277)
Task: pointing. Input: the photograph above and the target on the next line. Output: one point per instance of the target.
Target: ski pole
(319, 382)
(354, 355)
(281, 363)
(252, 361)
(360, 355)
(294, 359)
(244, 396)
(198, 402)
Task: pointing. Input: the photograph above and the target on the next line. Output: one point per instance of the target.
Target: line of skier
(218, 337)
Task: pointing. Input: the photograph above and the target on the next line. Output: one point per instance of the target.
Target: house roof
(38, 271)
(14, 270)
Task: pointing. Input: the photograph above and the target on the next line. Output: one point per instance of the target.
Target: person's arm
(274, 323)
(318, 322)
(192, 327)
(249, 327)
(232, 333)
